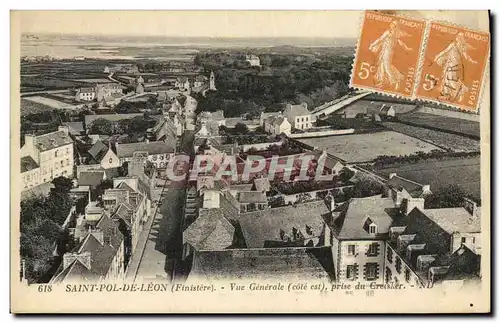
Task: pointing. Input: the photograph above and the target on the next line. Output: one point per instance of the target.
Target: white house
(299, 116)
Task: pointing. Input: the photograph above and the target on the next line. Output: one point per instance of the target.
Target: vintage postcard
(250, 162)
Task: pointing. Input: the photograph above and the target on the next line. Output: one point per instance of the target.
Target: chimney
(64, 129)
(30, 141)
(304, 104)
(391, 175)
(471, 207)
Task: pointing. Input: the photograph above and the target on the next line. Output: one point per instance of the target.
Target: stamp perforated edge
(361, 21)
(484, 76)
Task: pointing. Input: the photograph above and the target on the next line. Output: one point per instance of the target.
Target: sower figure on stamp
(384, 46)
(451, 59)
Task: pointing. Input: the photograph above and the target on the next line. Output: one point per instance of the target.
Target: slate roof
(201, 78)
(351, 223)
(27, 164)
(152, 147)
(91, 178)
(98, 150)
(308, 264)
(454, 219)
(211, 231)
(252, 197)
(75, 128)
(182, 79)
(295, 110)
(413, 188)
(101, 255)
(262, 227)
(52, 140)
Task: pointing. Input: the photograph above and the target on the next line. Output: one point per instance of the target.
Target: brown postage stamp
(454, 65)
(387, 55)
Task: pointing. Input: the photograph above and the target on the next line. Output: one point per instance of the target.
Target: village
(374, 212)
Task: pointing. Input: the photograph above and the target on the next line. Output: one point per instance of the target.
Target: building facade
(299, 116)
(52, 152)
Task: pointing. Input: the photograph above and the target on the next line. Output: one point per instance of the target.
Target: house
(129, 204)
(280, 125)
(200, 80)
(266, 115)
(253, 60)
(75, 128)
(301, 225)
(275, 123)
(100, 256)
(314, 265)
(360, 231)
(52, 153)
(103, 155)
(182, 84)
(402, 190)
(435, 246)
(158, 152)
(387, 112)
(107, 90)
(249, 201)
(85, 94)
(299, 116)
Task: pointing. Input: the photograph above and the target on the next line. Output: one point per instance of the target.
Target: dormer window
(372, 228)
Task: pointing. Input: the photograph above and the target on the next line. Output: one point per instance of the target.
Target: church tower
(212, 81)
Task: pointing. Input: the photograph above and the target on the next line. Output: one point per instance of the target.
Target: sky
(337, 24)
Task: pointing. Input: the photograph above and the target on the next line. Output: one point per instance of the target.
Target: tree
(366, 187)
(62, 184)
(101, 126)
(446, 197)
(345, 175)
(241, 128)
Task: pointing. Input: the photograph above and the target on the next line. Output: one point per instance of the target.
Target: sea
(153, 47)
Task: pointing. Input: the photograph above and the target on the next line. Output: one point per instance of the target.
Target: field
(366, 147)
(29, 107)
(51, 103)
(441, 139)
(368, 106)
(464, 172)
(360, 124)
(460, 126)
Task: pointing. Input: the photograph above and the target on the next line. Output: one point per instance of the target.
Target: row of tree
(41, 229)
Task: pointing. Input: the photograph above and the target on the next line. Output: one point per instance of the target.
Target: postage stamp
(387, 55)
(454, 65)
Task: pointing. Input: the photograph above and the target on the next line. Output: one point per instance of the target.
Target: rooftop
(210, 231)
(152, 147)
(413, 188)
(53, 140)
(27, 164)
(454, 219)
(351, 223)
(91, 178)
(252, 197)
(271, 263)
(268, 226)
(296, 110)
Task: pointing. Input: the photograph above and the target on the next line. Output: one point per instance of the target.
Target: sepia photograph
(250, 161)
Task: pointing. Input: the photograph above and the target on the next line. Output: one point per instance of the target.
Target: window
(473, 239)
(67, 161)
(351, 249)
(351, 272)
(62, 163)
(110, 160)
(373, 228)
(390, 254)
(56, 153)
(67, 150)
(464, 239)
(371, 271)
(398, 265)
(407, 274)
(388, 274)
(373, 250)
